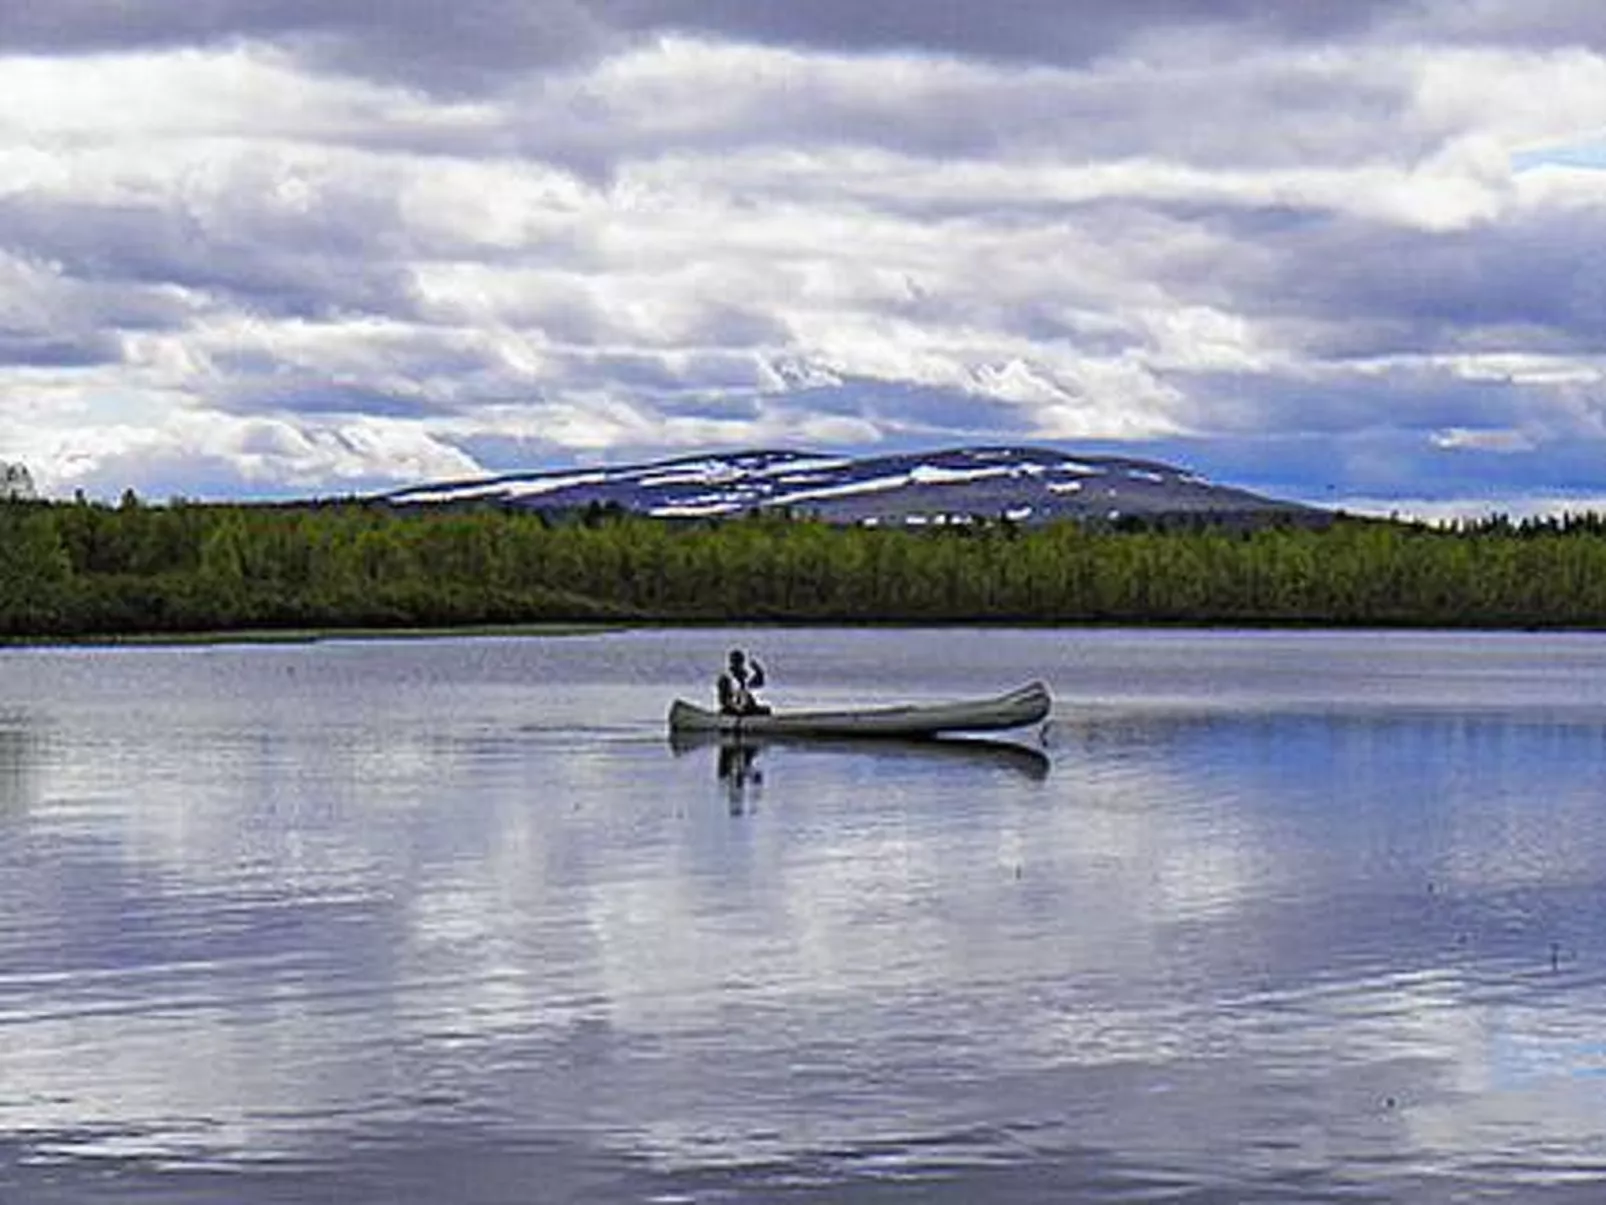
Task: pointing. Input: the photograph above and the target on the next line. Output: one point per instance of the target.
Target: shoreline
(558, 629)
(268, 636)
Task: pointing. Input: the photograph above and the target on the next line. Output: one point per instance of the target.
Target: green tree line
(83, 569)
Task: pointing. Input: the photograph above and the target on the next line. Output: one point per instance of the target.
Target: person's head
(737, 659)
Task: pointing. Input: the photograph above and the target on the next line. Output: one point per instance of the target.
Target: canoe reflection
(737, 760)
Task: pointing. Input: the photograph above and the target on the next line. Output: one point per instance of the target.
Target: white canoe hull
(1028, 705)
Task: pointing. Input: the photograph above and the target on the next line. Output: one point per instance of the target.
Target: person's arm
(757, 679)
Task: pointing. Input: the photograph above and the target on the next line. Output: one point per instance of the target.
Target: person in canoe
(736, 686)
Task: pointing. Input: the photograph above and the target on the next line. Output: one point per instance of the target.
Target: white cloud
(1461, 508)
(1456, 438)
(161, 451)
(656, 239)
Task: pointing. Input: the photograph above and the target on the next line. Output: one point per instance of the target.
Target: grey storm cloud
(40, 350)
(1365, 288)
(1409, 401)
(413, 39)
(546, 31)
(1196, 117)
(273, 278)
(477, 44)
(335, 254)
(1030, 30)
(1324, 467)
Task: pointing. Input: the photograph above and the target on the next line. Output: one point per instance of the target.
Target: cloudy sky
(1353, 253)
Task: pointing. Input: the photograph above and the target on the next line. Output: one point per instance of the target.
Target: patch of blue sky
(1590, 156)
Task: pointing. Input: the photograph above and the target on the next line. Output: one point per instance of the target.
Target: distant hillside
(84, 569)
(959, 485)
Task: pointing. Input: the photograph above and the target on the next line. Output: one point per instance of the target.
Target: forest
(78, 569)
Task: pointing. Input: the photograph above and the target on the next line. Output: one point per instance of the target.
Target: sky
(1345, 253)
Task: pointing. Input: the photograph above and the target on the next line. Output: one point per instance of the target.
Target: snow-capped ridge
(939, 487)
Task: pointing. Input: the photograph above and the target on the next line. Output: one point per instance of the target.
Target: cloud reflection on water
(1231, 945)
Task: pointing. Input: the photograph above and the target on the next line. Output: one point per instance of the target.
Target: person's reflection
(739, 771)
(16, 763)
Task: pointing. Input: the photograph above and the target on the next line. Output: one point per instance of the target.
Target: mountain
(958, 485)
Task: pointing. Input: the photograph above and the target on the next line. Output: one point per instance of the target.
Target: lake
(1255, 917)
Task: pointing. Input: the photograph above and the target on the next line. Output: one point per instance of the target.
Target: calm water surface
(1257, 917)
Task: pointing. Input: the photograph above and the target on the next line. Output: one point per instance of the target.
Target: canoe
(1028, 705)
